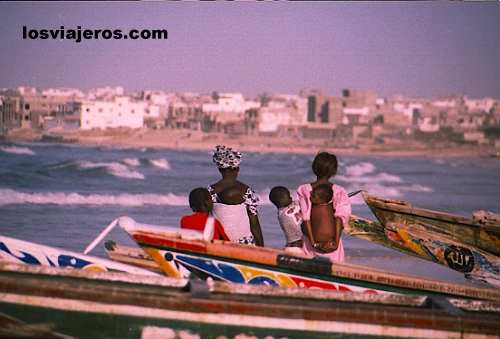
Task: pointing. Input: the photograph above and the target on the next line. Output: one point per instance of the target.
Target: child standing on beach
(201, 203)
(289, 216)
(326, 238)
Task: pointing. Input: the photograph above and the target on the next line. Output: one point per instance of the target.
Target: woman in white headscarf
(235, 203)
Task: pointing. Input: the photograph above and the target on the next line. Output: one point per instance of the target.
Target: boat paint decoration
(24, 252)
(467, 232)
(474, 263)
(224, 270)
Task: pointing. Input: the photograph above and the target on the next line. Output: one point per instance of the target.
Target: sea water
(64, 195)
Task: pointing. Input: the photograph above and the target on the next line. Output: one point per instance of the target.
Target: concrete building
(479, 105)
(120, 112)
(106, 93)
(227, 111)
(358, 107)
(63, 92)
(282, 111)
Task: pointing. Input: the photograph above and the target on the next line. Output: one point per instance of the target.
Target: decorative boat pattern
(24, 252)
(458, 243)
(474, 263)
(224, 270)
(175, 251)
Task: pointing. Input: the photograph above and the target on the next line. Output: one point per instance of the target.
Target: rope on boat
(101, 236)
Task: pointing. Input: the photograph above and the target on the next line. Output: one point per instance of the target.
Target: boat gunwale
(314, 310)
(343, 273)
(408, 209)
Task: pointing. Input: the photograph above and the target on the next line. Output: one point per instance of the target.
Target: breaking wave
(8, 196)
(131, 162)
(360, 169)
(114, 168)
(386, 191)
(380, 177)
(17, 150)
(160, 163)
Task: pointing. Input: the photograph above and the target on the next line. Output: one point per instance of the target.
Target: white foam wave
(360, 169)
(160, 163)
(17, 150)
(375, 189)
(381, 177)
(131, 162)
(8, 196)
(113, 168)
(416, 188)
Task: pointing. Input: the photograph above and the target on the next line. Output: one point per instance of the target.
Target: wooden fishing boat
(25, 252)
(173, 250)
(482, 233)
(121, 305)
(464, 245)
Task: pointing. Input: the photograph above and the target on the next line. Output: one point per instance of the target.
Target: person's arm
(342, 206)
(251, 201)
(305, 208)
(342, 213)
(255, 228)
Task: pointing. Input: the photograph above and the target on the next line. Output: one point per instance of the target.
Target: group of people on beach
(312, 224)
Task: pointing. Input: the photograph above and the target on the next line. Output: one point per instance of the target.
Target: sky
(425, 49)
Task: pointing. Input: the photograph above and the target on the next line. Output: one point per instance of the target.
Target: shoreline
(199, 141)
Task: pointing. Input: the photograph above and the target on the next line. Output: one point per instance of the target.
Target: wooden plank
(302, 293)
(65, 291)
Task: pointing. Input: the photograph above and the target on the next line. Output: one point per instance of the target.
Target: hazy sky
(415, 49)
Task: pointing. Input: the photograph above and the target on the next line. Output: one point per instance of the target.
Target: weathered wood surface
(44, 291)
(131, 256)
(373, 231)
(11, 327)
(418, 241)
(466, 231)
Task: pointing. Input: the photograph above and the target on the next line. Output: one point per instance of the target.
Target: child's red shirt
(197, 220)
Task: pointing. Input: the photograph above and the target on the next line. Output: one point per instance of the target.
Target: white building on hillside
(230, 103)
(474, 105)
(106, 92)
(282, 110)
(63, 92)
(121, 112)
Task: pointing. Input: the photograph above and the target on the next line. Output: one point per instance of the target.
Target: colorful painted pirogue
(25, 252)
(173, 250)
(464, 245)
(86, 304)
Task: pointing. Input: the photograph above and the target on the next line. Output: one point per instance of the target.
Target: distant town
(351, 119)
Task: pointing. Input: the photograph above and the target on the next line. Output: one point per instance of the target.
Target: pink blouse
(342, 207)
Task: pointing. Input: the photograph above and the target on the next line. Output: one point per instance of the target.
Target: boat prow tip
(126, 222)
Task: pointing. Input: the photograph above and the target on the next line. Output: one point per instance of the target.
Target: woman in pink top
(324, 167)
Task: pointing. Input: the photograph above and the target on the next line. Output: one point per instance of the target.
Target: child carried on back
(323, 220)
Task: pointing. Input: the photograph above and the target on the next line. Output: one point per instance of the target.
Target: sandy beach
(195, 140)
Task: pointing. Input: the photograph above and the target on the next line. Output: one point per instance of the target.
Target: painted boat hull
(405, 229)
(25, 252)
(485, 237)
(242, 264)
(130, 306)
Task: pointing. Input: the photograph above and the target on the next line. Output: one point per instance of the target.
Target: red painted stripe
(304, 282)
(154, 240)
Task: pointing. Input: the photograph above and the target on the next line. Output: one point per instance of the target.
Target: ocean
(64, 195)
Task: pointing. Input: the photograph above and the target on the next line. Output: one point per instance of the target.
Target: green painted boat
(469, 246)
(85, 304)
